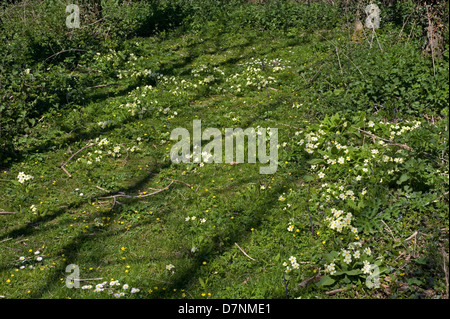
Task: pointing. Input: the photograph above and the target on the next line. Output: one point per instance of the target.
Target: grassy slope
(142, 236)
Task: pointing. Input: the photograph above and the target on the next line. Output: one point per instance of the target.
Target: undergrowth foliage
(358, 162)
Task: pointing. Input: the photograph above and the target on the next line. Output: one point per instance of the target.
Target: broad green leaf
(330, 256)
(325, 281)
(403, 178)
(353, 272)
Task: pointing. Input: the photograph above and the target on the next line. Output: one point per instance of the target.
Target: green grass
(139, 237)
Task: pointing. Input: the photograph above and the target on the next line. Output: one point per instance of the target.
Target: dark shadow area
(221, 242)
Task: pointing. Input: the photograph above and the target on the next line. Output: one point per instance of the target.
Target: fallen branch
(174, 180)
(335, 291)
(7, 213)
(306, 282)
(391, 143)
(63, 51)
(101, 86)
(105, 190)
(410, 237)
(244, 252)
(136, 196)
(63, 164)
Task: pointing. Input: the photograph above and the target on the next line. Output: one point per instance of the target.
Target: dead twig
(63, 51)
(8, 213)
(335, 291)
(105, 190)
(415, 241)
(306, 282)
(339, 60)
(175, 180)
(63, 164)
(391, 143)
(101, 86)
(410, 237)
(244, 252)
(376, 37)
(389, 230)
(136, 196)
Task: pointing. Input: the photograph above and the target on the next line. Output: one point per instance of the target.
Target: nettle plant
(352, 159)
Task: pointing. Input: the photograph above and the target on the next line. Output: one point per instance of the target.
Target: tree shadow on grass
(223, 240)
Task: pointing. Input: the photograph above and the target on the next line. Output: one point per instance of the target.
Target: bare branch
(244, 252)
(406, 147)
(63, 164)
(136, 196)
